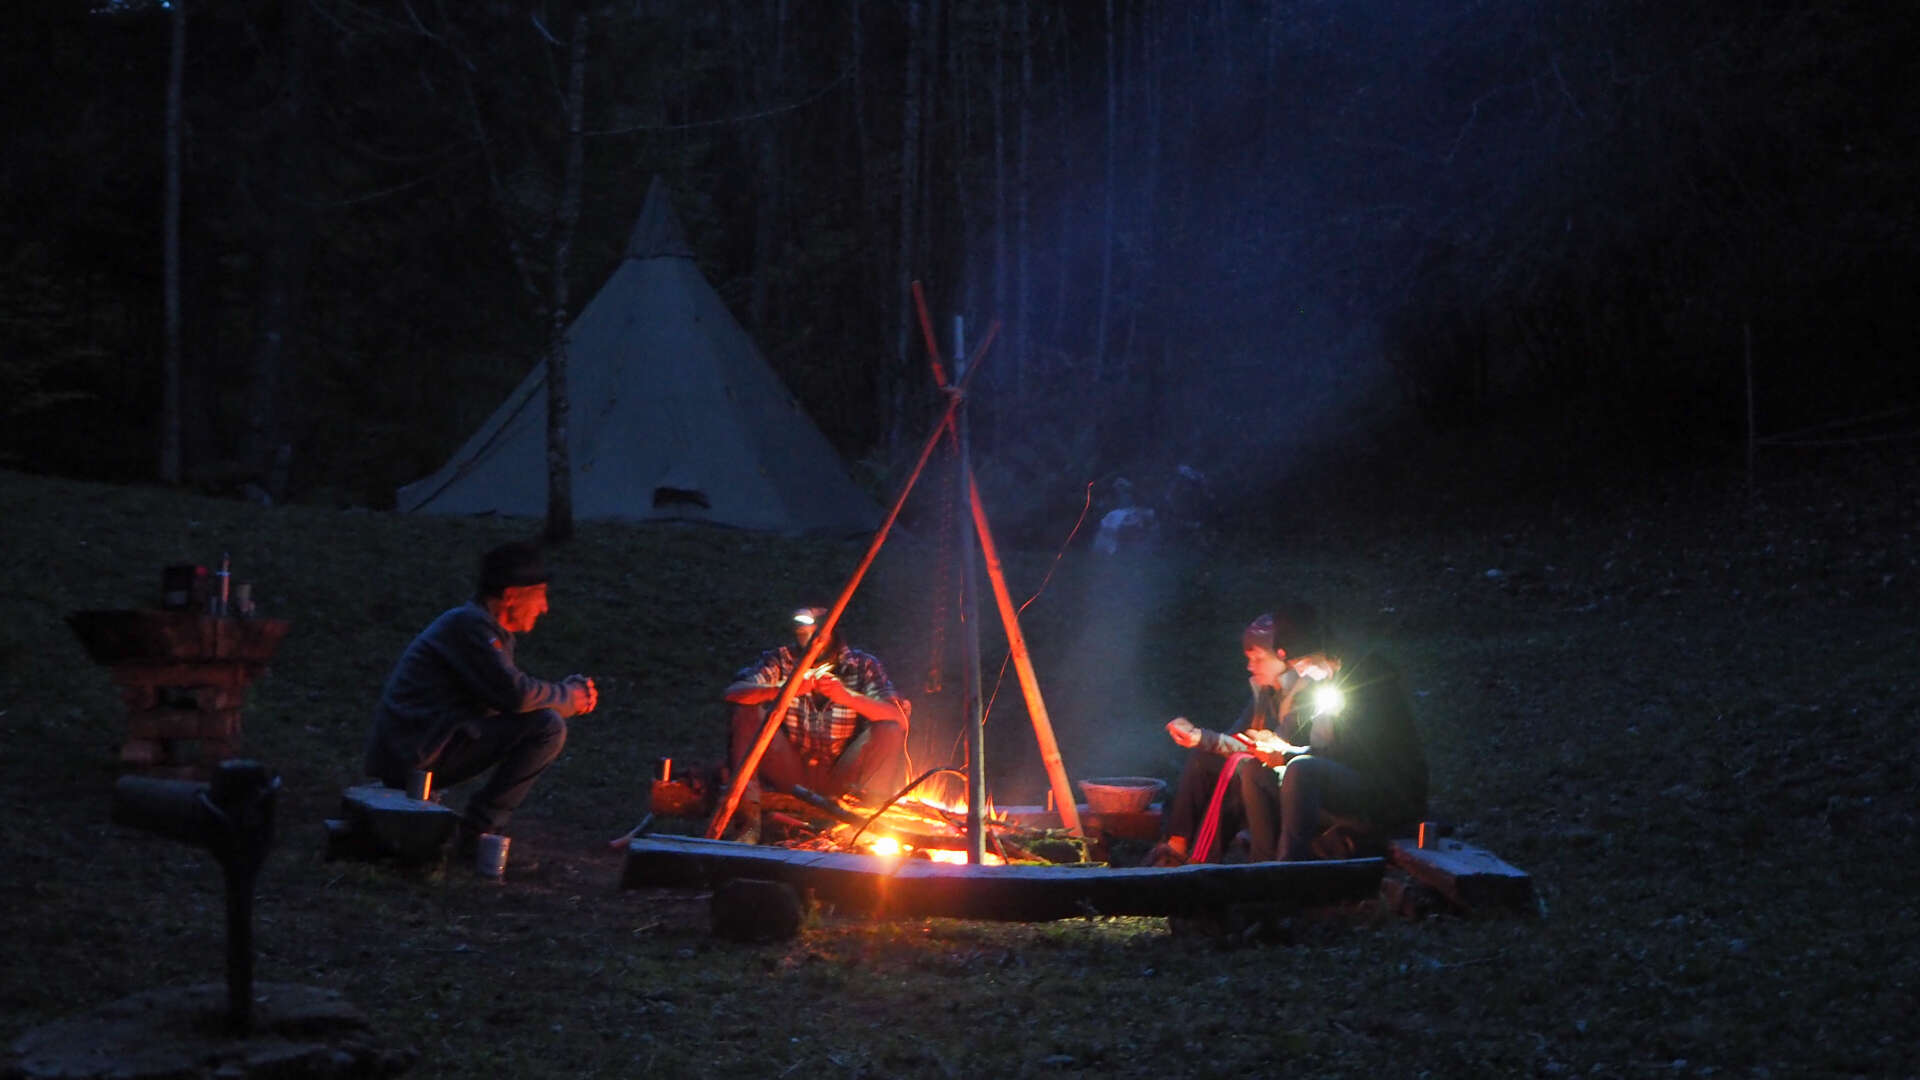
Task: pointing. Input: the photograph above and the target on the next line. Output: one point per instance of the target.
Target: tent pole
(791, 689)
(1023, 667)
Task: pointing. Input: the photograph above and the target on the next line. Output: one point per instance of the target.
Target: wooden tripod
(952, 420)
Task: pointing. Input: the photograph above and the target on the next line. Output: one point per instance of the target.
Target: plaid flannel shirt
(815, 725)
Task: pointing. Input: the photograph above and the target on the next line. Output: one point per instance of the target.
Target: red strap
(1210, 825)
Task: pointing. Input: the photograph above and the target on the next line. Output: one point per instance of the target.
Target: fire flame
(937, 806)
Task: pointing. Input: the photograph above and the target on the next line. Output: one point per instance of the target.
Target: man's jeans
(518, 747)
(874, 764)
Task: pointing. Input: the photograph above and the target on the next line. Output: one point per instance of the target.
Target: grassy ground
(1692, 719)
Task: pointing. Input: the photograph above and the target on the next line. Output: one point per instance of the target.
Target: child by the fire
(844, 733)
(1325, 759)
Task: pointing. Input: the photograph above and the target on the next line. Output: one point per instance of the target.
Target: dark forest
(1567, 244)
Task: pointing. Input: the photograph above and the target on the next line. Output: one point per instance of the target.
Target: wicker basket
(1121, 794)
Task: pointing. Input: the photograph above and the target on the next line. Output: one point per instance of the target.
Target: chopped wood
(1473, 879)
(909, 888)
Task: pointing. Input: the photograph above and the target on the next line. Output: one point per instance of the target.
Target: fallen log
(901, 888)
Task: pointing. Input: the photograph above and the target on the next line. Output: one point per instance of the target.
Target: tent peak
(658, 231)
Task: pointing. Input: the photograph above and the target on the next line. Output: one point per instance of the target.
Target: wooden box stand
(183, 677)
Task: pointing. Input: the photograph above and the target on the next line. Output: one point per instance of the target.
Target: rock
(181, 1034)
(754, 911)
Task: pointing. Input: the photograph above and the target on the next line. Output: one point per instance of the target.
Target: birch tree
(559, 457)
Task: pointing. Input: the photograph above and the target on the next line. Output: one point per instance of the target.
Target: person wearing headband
(457, 705)
(845, 732)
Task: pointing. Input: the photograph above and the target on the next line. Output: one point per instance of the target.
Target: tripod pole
(791, 688)
(969, 613)
(1023, 667)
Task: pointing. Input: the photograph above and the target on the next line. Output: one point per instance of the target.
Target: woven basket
(1121, 794)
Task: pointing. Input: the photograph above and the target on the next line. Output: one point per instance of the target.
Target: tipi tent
(675, 415)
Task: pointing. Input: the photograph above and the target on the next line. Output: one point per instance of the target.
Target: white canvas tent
(675, 415)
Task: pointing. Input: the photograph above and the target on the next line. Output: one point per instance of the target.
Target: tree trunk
(1023, 278)
(999, 158)
(767, 175)
(265, 447)
(559, 457)
(893, 405)
(1107, 209)
(870, 228)
(962, 123)
(171, 377)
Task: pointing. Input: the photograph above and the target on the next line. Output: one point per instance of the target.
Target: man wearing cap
(845, 732)
(456, 705)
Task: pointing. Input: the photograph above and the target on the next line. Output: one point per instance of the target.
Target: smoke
(1104, 715)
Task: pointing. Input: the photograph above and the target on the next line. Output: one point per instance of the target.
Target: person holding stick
(456, 704)
(1342, 771)
(1226, 772)
(844, 734)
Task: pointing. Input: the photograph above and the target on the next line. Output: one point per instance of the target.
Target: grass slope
(1692, 721)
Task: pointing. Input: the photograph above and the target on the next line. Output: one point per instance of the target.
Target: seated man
(845, 732)
(1210, 803)
(1364, 780)
(456, 705)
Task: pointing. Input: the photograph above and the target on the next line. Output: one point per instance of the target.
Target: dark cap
(516, 563)
(1291, 629)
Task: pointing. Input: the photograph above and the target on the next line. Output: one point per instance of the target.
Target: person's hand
(582, 696)
(1262, 740)
(1183, 733)
(829, 684)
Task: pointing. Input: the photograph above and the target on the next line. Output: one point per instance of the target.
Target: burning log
(902, 832)
(912, 888)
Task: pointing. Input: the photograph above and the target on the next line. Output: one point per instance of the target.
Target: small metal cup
(420, 785)
(1429, 834)
(490, 855)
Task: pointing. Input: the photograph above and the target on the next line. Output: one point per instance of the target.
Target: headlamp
(803, 617)
(1328, 700)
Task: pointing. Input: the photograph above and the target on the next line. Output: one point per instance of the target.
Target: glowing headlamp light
(1328, 700)
(804, 618)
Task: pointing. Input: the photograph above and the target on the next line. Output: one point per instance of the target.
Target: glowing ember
(987, 858)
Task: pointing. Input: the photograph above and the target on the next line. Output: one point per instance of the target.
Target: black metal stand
(232, 817)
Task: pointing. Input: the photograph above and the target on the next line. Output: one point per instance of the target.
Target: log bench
(1471, 880)
(381, 822)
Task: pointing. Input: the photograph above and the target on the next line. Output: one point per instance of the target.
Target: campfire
(929, 822)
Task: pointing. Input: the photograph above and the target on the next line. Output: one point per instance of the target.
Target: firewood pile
(919, 828)
(911, 826)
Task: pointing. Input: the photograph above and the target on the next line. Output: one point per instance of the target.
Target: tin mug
(490, 855)
(420, 785)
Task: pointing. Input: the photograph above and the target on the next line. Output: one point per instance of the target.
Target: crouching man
(844, 734)
(456, 705)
